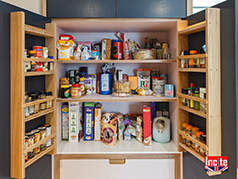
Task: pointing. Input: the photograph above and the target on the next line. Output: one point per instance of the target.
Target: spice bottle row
(193, 62)
(40, 53)
(39, 106)
(35, 136)
(196, 134)
(196, 92)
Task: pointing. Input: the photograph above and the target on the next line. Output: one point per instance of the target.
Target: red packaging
(147, 125)
(97, 83)
(117, 50)
(124, 76)
(38, 50)
(126, 47)
(66, 37)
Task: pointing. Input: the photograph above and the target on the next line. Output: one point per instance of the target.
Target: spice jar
(197, 147)
(184, 126)
(31, 141)
(202, 95)
(194, 130)
(193, 61)
(202, 150)
(184, 100)
(31, 53)
(26, 145)
(83, 88)
(43, 106)
(37, 139)
(42, 95)
(42, 136)
(189, 131)
(196, 103)
(48, 133)
(49, 102)
(184, 61)
(76, 91)
(31, 108)
(64, 91)
(26, 97)
(202, 59)
(183, 139)
(36, 106)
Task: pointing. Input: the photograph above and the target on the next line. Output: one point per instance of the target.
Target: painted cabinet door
(151, 8)
(81, 9)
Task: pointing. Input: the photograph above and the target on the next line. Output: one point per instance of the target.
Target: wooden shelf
(39, 73)
(193, 28)
(187, 136)
(192, 97)
(192, 151)
(38, 156)
(110, 98)
(38, 101)
(39, 143)
(199, 70)
(185, 108)
(38, 31)
(118, 61)
(39, 114)
(203, 55)
(39, 60)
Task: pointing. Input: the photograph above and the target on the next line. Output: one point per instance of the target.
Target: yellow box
(97, 123)
(133, 80)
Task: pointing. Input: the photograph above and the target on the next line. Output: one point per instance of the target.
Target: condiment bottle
(189, 131)
(49, 102)
(193, 61)
(191, 104)
(184, 100)
(194, 130)
(76, 91)
(197, 147)
(183, 138)
(196, 103)
(64, 91)
(189, 92)
(26, 145)
(83, 88)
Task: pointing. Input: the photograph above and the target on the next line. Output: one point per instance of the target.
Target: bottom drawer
(101, 168)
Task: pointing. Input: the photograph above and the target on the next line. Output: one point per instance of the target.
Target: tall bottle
(191, 94)
(83, 88)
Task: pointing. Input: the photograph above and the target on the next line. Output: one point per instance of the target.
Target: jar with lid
(31, 141)
(184, 126)
(42, 95)
(184, 100)
(189, 131)
(64, 91)
(71, 76)
(202, 59)
(48, 133)
(76, 91)
(203, 96)
(26, 145)
(42, 136)
(183, 138)
(184, 61)
(49, 102)
(194, 130)
(197, 147)
(203, 152)
(36, 106)
(196, 103)
(192, 61)
(31, 108)
(26, 97)
(83, 88)
(37, 139)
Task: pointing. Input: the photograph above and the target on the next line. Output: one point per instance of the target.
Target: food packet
(144, 91)
(126, 46)
(78, 52)
(65, 49)
(121, 126)
(139, 131)
(86, 54)
(132, 46)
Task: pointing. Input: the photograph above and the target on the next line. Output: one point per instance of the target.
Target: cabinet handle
(117, 161)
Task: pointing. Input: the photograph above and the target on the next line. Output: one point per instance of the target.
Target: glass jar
(31, 141)
(197, 147)
(76, 91)
(43, 106)
(37, 139)
(26, 145)
(42, 95)
(83, 88)
(196, 103)
(183, 139)
(184, 126)
(184, 61)
(189, 131)
(194, 130)
(31, 108)
(42, 136)
(64, 91)
(202, 59)
(203, 106)
(193, 61)
(184, 100)
(27, 112)
(49, 102)
(26, 97)
(202, 150)
(36, 106)
(48, 133)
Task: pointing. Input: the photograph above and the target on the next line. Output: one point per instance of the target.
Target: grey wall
(192, 167)
(41, 168)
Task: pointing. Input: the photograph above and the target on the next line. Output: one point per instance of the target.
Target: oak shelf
(193, 111)
(38, 31)
(38, 156)
(203, 55)
(192, 151)
(39, 114)
(118, 61)
(199, 70)
(192, 97)
(39, 73)
(39, 60)
(193, 28)
(38, 101)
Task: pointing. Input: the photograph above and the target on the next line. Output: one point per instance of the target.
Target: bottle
(191, 104)
(77, 76)
(196, 103)
(105, 79)
(83, 88)
(193, 61)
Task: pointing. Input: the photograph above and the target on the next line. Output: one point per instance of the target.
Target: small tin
(95, 55)
(164, 77)
(38, 50)
(117, 50)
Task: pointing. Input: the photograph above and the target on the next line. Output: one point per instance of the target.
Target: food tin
(95, 55)
(48, 133)
(26, 145)
(38, 50)
(117, 50)
(31, 141)
(37, 139)
(42, 136)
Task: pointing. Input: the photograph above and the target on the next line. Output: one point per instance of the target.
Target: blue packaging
(88, 121)
(153, 110)
(169, 90)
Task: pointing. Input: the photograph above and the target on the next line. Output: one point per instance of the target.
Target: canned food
(38, 50)
(45, 52)
(37, 139)
(117, 50)
(31, 141)
(48, 133)
(42, 136)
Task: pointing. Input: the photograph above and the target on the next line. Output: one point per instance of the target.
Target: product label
(66, 93)
(105, 82)
(88, 123)
(216, 163)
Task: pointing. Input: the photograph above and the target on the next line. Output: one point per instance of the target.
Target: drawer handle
(117, 161)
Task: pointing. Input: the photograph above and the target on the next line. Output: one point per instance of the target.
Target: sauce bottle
(191, 104)
(192, 61)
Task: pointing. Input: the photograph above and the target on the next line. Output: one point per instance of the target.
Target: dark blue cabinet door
(81, 8)
(151, 8)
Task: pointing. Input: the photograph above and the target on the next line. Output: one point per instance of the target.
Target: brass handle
(117, 161)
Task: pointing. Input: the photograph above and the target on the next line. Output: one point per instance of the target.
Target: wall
(41, 168)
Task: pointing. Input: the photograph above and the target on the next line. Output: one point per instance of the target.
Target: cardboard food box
(147, 125)
(88, 121)
(75, 114)
(97, 126)
(169, 90)
(134, 84)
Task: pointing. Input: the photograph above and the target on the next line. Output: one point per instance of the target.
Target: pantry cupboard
(173, 31)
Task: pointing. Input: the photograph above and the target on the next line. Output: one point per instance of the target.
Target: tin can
(117, 50)
(26, 145)
(48, 133)
(37, 139)
(38, 50)
(95, 55)
(45, 52)
(42, 136)
(31, 141)
(164, 77)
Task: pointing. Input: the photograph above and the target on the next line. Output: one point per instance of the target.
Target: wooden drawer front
(101, 168)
